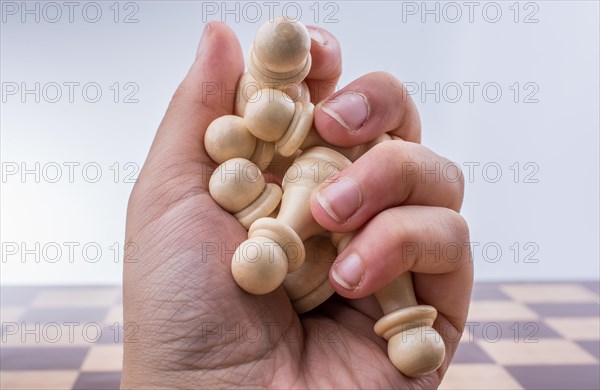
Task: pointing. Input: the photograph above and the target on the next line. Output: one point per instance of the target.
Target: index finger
(326, 66)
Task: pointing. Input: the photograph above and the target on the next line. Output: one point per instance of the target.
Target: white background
(543, 220)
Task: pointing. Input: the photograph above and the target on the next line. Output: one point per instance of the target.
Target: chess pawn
(272, 116)
(228, 137)
(239, 187)
(414, 347)
(280, 53)
(275, 245)
(309, 286)
(248, 86)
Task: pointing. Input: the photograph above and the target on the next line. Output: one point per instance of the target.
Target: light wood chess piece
(272, 101)
(272, 116)
(239, 187)
(248, 86)
(414, 347)
(275, 245)
(309, 286)
(280, 53)
(279, 110)
(228, 137)
(271, 120)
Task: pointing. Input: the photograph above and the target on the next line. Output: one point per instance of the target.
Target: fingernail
(203, 39)
(316, 35)
(350, 109)
(349, 272)
(340, 199)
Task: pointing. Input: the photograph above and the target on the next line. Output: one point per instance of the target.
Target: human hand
(197, 328)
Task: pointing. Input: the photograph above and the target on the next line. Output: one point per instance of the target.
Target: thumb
(207, 92)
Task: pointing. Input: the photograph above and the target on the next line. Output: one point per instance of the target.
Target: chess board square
(544, 351)
(112, 334)
(467, 337)
(77, 297)
(582, 328)
(557, 377)
(41, 358)
(550, 293)
(594, 286)
(529, 330)
(18, 295)
(592, 347)
(499, 311)
(478, 376)
(11, 313)
(471, 353)
(566, 309)
(51, 334)
(29, 380)
(62, 315)
(103, 358)
(488, 292)
(98, 380)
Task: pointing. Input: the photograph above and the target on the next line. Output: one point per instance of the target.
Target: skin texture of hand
(195, 328)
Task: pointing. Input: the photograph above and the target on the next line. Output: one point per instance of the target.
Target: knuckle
(457, 180)
(460, 226)
(393, 151)
(385, 78)
(454, 233)
(390, 85)
(450, 175)
(404, 232)
(460, 233)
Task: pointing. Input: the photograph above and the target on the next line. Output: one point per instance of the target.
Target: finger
(326, 65)
(392, 173)
(432, 242)
(374, 104)
(201, 97)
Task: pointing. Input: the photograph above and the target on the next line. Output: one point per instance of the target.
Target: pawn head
(417, 351)
(259, 265)
(282, 45)
(235, 184)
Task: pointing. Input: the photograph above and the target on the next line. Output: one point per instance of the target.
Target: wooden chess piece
(275, 245)
(228, 137)
(272, 116)
(280, 53)
(309, 286)
(239, 187)
(414, 347)
(248, 86)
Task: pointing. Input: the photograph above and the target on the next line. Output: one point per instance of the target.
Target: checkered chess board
(530, 336)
